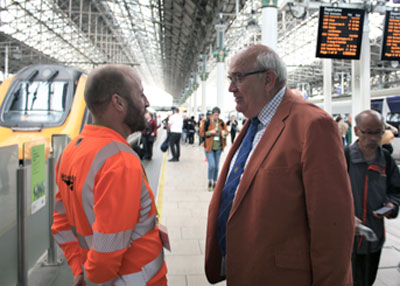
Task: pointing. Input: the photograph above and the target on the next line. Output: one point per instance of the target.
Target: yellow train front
(41, 101)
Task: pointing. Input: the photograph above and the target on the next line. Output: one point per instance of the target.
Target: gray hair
(271, 61)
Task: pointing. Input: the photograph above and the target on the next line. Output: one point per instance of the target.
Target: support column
(327, 67)
(203, 77)
(269, 27)
(360, 71)
(5, 62)
(220, 53)
(195, 91)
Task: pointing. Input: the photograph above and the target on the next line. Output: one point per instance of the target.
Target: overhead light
(252, 26)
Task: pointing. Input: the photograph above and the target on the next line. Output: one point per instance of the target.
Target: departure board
(340, 33)
(390, 49)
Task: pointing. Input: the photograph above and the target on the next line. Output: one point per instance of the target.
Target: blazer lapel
(216, 197)
(263, 149)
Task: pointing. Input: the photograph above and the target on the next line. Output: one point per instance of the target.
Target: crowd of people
(287, 207)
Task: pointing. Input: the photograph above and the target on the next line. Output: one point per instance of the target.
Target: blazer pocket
(292, 261)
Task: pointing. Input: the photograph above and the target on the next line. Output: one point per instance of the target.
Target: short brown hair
(102, 83)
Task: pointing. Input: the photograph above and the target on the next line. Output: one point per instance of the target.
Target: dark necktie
(231, 184)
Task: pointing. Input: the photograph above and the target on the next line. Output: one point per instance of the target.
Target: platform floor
(182, 199)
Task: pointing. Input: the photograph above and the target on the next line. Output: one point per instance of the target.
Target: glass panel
(8, 214)
(36, 102)
(27, 149)
(37, 224)
(59, 141)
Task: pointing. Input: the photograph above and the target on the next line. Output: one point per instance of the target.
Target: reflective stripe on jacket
(105, 216)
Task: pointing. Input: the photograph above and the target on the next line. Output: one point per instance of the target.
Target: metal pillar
(327, 67)
(220, 55)
(269, 27)
(195, 86)
(21, 226)
(220, 84)
(5, 61)
(51, 259)
(203, 78)
(360, 70)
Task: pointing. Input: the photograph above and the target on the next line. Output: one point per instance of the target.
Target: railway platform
(182, 200)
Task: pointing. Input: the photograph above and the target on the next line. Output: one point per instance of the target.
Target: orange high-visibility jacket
(105, 216)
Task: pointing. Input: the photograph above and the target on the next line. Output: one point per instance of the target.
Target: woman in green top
(214, 131)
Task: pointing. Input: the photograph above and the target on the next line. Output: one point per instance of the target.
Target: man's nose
(146, 102)
(232, 87)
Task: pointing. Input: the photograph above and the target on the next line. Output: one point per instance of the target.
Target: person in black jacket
(191, 129)
(375, 183)
(233, 123)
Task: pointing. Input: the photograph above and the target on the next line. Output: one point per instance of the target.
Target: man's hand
(357, 221)
(390, 205)
(79, 280)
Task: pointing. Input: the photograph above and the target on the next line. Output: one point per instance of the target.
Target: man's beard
(135, 117)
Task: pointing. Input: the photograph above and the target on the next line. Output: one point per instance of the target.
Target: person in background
(282, 210)
(234, 127)
(149, 135)
(175, 126)
(343, 127)
(375, 183)
(105, 215)
(349, 122)
(214, 131)
(201, 118)
(185, 129)
(191, 127)
(388, 137)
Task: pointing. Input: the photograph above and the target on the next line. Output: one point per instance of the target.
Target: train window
(393, 118)
(36, 102)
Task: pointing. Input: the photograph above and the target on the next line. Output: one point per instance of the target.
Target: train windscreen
(35, 103)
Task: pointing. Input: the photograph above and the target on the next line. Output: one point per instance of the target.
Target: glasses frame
(236, 78)
(370, 133)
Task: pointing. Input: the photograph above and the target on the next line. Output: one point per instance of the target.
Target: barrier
(26, 206)
(8, 215)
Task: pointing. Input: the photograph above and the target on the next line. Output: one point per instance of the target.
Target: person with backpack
(375, 184)
(214, 130)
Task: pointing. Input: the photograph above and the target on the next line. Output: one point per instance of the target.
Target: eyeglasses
(236, 78)
(372, 133)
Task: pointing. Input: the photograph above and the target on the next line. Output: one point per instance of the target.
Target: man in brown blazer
(291, 220)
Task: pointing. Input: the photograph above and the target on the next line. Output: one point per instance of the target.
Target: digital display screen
(340, 33)
(390, 49)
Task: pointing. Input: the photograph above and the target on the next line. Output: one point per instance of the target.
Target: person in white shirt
(175, 125)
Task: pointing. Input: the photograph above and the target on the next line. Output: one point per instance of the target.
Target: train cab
(40, 101)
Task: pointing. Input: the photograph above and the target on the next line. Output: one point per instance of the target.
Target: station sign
(390, 49)
(340, 33)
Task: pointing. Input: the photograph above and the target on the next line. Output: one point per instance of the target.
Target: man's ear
(117, 102)
(270, 79)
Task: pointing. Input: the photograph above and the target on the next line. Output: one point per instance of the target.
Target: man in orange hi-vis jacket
(105, 216)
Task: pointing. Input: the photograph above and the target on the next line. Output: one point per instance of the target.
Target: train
(41, 101)
(386, 101)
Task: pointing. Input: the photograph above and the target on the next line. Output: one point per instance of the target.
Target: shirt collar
(268, 111)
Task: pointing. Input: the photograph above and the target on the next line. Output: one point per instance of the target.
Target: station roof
(163, 39)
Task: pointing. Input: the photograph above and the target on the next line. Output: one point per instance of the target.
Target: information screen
(390, 49)
(340, 33)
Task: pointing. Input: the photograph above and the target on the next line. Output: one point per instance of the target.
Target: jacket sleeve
(63, 235)
(329, 203)
(202, 131)
(116, 207)
(393, 187)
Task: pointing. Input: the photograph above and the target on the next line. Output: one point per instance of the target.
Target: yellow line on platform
(160, 192)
